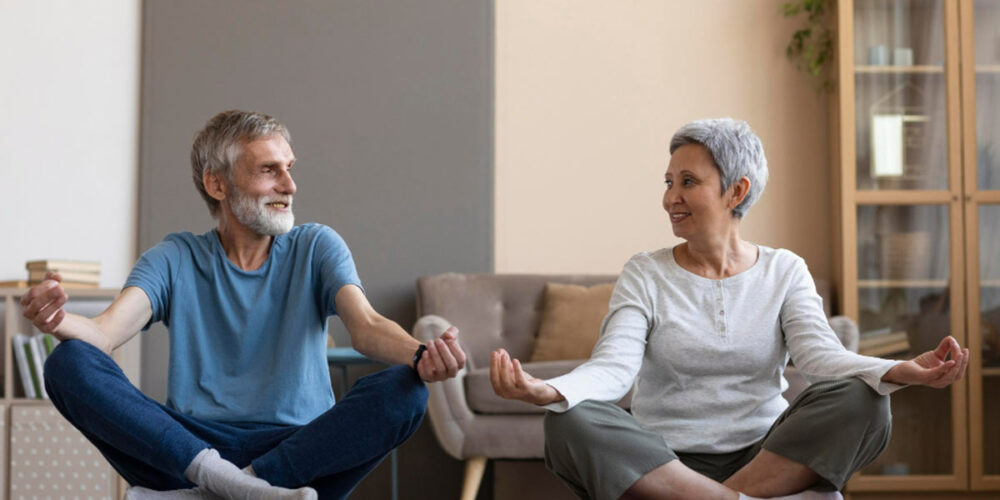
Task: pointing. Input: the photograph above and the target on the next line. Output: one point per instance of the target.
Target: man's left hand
(932, 368)
(443, 358)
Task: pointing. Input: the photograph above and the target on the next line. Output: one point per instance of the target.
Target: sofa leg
(474, 469)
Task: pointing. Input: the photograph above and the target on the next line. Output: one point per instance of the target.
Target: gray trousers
(835, 428)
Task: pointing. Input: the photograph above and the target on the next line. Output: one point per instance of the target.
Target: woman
(704, 330)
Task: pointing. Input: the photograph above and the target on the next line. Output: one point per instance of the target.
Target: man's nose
(287, 183)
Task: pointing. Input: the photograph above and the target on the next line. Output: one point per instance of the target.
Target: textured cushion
(571, 321)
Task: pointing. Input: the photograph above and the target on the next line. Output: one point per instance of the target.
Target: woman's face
(693, 197)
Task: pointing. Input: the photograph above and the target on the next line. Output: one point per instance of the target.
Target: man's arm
(43, 306)
(378, 337)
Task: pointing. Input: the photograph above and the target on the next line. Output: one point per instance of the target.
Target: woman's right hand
(510, 381)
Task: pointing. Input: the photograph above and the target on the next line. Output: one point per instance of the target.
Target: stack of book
(883, 342)
(30, 353)
(75, 274)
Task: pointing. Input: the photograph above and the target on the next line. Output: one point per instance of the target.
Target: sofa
(470, 422)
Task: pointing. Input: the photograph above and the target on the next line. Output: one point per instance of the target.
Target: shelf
(988, 69)
(993, 371)
(896, 70)
(990, 283)
(902, 283)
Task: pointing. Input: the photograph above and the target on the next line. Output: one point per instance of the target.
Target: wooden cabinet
(916, 179)
(43, 456)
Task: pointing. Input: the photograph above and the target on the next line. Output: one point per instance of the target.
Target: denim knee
(405, 389)
(63, 366)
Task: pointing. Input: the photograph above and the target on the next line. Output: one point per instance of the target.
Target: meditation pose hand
(510, 381)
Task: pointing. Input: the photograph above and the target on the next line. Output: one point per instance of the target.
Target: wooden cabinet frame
(963, 201)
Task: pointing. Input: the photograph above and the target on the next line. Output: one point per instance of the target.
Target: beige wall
(588, 94)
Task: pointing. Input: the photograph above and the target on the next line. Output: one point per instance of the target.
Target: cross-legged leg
(601, 452)
(139, 437)
(337, 449)
(832, 430)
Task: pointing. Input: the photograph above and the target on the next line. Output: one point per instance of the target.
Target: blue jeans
(151, 445)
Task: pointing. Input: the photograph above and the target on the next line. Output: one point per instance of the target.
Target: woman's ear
(741, 189)
(214, 185)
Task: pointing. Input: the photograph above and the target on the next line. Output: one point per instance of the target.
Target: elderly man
(250, 412)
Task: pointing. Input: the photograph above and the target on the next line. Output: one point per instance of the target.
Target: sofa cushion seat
(481, 399)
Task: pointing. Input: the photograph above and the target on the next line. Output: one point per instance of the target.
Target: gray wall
(390, 106)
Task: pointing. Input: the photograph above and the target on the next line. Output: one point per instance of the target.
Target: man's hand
(443, 358)
(43, 304)
(932, 368)
(511, 382)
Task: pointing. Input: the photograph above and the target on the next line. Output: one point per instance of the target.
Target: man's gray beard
(252, 213)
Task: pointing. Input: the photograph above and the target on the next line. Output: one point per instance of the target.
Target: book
(21, 356)
(63, 265)
(883, 344)
(38, 362)
(50, 343)
(70, 284)
(67, 276)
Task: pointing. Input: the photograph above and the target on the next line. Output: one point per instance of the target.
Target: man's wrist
(418, 355)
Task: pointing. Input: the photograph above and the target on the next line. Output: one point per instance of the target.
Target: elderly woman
(704, 330)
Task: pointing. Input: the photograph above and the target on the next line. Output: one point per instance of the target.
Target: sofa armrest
(847, 331)
(446, 405)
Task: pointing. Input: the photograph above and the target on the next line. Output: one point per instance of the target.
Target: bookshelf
(32, 428)
(916, 176)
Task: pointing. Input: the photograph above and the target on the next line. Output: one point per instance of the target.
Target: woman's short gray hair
(218, 146)
(736, 151)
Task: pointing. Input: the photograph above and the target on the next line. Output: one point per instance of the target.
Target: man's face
(262, 187)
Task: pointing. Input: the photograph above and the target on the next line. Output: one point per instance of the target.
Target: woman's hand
(511, 382)
(932, 368)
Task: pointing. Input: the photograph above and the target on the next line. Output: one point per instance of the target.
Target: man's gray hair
(218, 146)
(736, 151)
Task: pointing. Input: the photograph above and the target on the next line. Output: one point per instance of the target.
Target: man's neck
(245, 248)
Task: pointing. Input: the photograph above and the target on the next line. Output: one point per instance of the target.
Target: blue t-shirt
(247, 346)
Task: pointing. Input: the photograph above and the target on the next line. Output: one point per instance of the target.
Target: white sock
(220, 476)
(140, 493)
(804, 495)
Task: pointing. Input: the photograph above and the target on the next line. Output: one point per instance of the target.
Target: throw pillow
(571, 321)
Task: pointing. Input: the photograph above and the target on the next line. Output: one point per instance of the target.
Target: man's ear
(741, 189)
(214, 185)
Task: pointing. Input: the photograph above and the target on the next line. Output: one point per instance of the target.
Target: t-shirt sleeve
(153, 275)
(335, 266)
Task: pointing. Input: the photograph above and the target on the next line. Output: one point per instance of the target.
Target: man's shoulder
(314, 233)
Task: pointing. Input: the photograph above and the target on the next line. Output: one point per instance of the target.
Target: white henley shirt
(707, 356)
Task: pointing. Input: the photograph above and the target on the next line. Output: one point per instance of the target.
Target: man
(250, 411)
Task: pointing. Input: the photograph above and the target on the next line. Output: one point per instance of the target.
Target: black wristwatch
(418, 355)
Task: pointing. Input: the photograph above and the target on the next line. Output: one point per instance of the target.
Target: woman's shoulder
(779, 259)
(663, 257)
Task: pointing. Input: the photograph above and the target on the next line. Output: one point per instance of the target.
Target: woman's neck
(717, 259)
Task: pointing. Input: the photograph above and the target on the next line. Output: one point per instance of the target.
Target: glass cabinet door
(901, 122)
(903, 184)
(904, 309)
(987, 79)
(989, 317)
(983, 192)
